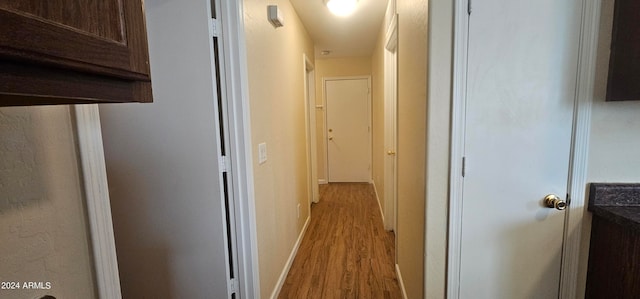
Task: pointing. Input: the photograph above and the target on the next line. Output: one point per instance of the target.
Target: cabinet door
(86, 42)
(624, 61)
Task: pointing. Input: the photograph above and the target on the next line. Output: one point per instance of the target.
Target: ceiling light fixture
(341, 7)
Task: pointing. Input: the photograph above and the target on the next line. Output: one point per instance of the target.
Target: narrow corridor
(345, 253)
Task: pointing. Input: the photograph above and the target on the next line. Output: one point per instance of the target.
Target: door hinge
(225, 163)
(464, 165)
(233, 285)
(215, 27)
(469, 7)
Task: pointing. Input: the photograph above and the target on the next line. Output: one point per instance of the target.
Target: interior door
(348, 130)
(390, 135)
(522, 64)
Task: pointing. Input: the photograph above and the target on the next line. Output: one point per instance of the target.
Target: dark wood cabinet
(624, 61)
(73, 51)
(614, 260)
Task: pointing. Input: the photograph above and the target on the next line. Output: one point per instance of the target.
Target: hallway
(345, 253)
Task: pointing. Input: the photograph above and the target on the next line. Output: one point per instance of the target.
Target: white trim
(460, 40)
(401, 282)
(236, 74)
(322, 182)
(292, 256)
(580, 144)
(324, 92)
(375, 190)
(94, 174)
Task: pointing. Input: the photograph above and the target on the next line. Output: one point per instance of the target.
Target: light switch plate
(262, 153)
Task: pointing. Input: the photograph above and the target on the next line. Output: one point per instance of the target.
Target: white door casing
(98, 205)
(235, 57)
(518, 132)
(348, 129)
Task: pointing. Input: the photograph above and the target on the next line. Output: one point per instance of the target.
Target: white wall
(162, 165)
(43, 226)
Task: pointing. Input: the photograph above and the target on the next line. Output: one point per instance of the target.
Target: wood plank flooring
(345, 253)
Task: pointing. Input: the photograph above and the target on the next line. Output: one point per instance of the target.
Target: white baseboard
(401, 282)
(287, 266)
(375, 190)
(322, 182)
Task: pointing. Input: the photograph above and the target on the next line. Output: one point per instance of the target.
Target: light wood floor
(345, 253)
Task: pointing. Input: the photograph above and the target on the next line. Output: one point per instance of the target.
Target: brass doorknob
(391, 153)
(554, 202)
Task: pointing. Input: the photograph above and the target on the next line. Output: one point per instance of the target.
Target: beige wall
(43, 225)
(276, 91)
(377, 113)
(412, 108)
(615, 134)
(326, 68)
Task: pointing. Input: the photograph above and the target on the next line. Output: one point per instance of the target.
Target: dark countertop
(618, 203)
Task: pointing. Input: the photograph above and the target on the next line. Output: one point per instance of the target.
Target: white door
(348, 139)
(520, 96)
(390, 130)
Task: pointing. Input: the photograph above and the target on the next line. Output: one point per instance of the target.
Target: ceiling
(350, 36)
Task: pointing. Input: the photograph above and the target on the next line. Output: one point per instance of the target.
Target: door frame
(310, 122)
(391, 125)
(324, 95)
(88, 132)
(577, 180)
(237, 86)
